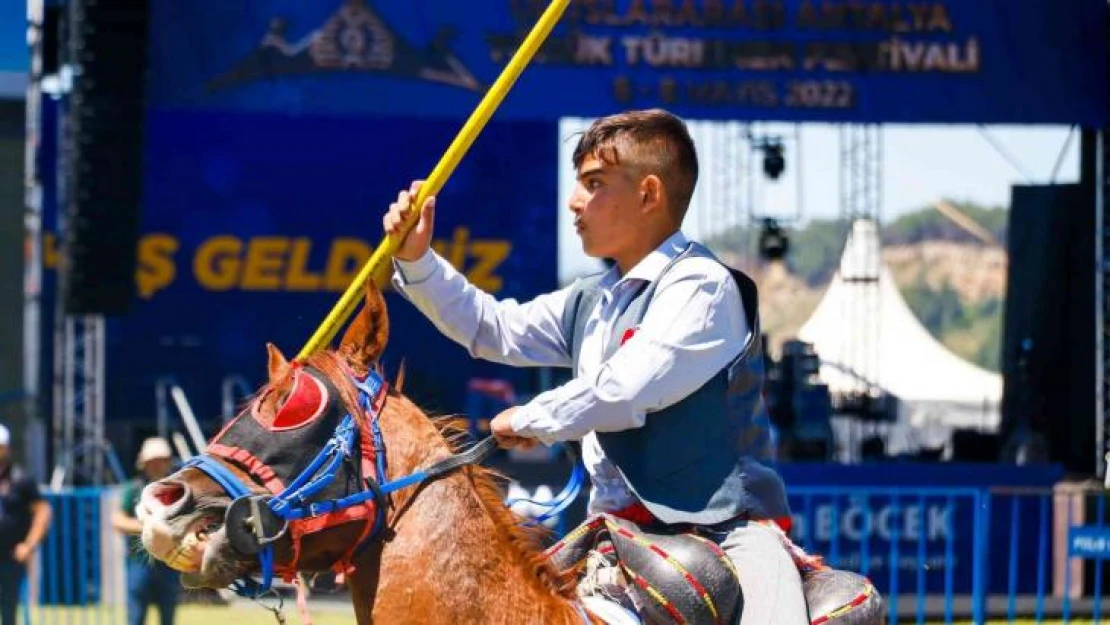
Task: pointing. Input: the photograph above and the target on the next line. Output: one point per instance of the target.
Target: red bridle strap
(260, 471)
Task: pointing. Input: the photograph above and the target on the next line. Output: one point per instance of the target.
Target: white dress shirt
(694, 327)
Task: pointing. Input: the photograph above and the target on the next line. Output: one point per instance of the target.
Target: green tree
(972, 331)
(937, 310)
(815, 250)
(928, 224)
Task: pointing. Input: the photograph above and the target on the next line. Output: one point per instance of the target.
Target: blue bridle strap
(221, 474)
(289, 504)
(235, 489)
(292, 503)
(559, 502)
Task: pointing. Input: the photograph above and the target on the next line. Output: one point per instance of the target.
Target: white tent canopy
(864, 330)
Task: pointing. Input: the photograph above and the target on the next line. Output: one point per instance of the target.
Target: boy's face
(606, 204)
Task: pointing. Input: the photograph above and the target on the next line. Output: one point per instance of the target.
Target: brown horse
(451, 552)
(446, 550)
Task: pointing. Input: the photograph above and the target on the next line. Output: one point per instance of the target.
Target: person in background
(148, 581)
(24, 521)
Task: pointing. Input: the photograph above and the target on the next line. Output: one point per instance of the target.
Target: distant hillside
(928, 224)
(957, 291)
(954, 283)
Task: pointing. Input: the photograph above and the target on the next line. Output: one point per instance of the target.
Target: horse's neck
(450, 559)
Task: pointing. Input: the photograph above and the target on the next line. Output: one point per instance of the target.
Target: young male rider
(655, 343)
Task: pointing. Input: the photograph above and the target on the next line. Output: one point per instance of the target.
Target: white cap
(153, 448)
(5, 436)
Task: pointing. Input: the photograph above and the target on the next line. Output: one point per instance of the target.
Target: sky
(920, 164)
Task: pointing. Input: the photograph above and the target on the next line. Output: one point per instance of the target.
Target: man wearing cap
(148, 581)
(24, 519)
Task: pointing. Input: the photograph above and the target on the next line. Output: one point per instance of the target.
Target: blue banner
(922, 517)
(15, 59)
(988, 61)
(255, 224)
(14, 53)
(1090, 542)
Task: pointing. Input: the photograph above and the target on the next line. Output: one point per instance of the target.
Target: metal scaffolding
(861, 200)
(1102, 308)
(32, 227)
(79, 447)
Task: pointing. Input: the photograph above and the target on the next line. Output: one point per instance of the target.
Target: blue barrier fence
(945, 554)
(936, 554)
(78, 575)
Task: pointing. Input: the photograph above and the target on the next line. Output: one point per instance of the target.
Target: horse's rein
(258, 520)
(475, 455)
(292, 505)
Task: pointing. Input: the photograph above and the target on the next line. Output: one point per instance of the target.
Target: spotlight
(773, 241)
(773, 161)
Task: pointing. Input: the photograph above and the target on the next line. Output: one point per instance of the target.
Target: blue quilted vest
(692, 462)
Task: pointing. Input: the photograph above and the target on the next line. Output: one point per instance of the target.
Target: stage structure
(861, 176)
(1102, 308)
(84, 166)
(78, 440)
(282, 79)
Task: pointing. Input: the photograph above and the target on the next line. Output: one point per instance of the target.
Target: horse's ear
(278, 366)
(365, 339)
(399, 379)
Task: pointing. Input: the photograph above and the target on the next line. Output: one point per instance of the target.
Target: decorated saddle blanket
(677, 576)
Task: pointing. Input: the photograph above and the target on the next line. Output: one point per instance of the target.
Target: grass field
(329, 614)
(194, 615)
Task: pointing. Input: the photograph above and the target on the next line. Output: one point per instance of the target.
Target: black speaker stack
(105, 44)
(1048, 353)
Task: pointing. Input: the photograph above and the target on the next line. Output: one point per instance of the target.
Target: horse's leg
(363, 584)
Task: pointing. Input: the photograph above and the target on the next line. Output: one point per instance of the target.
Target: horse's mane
(526, 540)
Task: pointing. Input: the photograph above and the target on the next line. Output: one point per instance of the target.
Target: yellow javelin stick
(443, 170)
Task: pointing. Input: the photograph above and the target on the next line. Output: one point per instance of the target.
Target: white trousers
(769, 577)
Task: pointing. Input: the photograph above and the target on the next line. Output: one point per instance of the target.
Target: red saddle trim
(848, 607)
(640, 515)
(699, 589)
(659, 597)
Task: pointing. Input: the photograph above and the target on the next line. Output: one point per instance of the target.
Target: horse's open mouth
(209, 560)
(201, 553)
(189, 551)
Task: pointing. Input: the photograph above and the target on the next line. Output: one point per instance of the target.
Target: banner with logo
(865, 518)
(987, 61)
(15, 57)
(254, 225)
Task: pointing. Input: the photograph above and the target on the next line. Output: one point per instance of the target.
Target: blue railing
(884, 533)
(952, 554)
(78, 575)
(936, 554)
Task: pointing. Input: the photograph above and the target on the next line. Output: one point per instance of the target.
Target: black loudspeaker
(1048, 350)
(975, 446)
(103, 152)
(54, 19)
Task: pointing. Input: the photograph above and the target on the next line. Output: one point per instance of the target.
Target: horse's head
(216, 519)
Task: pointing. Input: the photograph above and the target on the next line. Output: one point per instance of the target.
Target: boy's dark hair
(650, 141)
